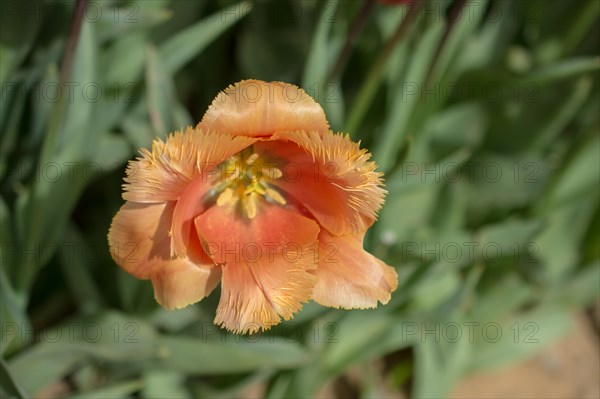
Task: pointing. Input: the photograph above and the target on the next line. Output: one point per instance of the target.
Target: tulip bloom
(262, 197)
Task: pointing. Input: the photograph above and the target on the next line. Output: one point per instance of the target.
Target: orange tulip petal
(138, 237)
(162, 174)
(180, 283)
(349, 277)
(266, 263)
(331, 176)
(140, 244)
(190, 205)
(258, 109)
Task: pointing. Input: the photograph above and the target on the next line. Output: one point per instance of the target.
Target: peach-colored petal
(266, 263)
(140, 244)
(258, 109)
(180, 283)
(138, 237)
(349, 277)
(191, 203)
(163, 173)
(331, 176)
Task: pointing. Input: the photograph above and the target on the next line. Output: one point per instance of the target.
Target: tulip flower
(262, 197)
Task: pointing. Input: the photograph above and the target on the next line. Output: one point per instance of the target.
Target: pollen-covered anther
(225, 197)
(245, 177)
(249, 205)
(272, 173)
(275, 196)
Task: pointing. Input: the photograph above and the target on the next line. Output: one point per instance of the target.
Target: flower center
(245, 177)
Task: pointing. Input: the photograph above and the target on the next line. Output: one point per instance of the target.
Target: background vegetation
(483, 114)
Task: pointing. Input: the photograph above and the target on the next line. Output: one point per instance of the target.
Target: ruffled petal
(140, 244)
(330, 175)
(266, 263)
(349, 277)
(258, 109)
(164, 172)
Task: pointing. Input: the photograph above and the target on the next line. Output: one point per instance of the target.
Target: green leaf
(13, 304)
(68, 144)
(279, 387)
(318, 64)
(185, 45)
(138, 130)
(41, 370)
(438, 366)
(231, 354)
(316, 69)
(76, 268)
(400, 225)
(16, 42)
(559, 252)
(498, 343)
(119, 20)
(161, 94)
(402, 106)
(499, 183)
(581, 25)
(511, 237)
(108, 336)
(580, 177)
(237, 387)
(437, 288)
(116, 391)
(164, 384)
(564, 115)
(136, 296)
(76, 135)
(380, 334)
(580, 290)
(12, 123)
(469, 19)
(8, 384)
(415, 186)
(491, 38)
(493, 303)
(456, 127)
(174, 321)
(124, 60)
(44, 106)
(562, 70)
(7, 239)
(267, 57)
(112, 152)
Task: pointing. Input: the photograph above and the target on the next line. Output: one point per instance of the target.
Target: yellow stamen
(249, 205)
(245, 176)
(272, 173)
(251, 159)
(275, 196)
(225, 197)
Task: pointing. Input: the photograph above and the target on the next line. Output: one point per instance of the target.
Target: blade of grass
(403, 105)
(371, 84)
(8, 383)
(185, 45)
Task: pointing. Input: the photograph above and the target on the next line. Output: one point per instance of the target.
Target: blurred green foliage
(483, 114)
